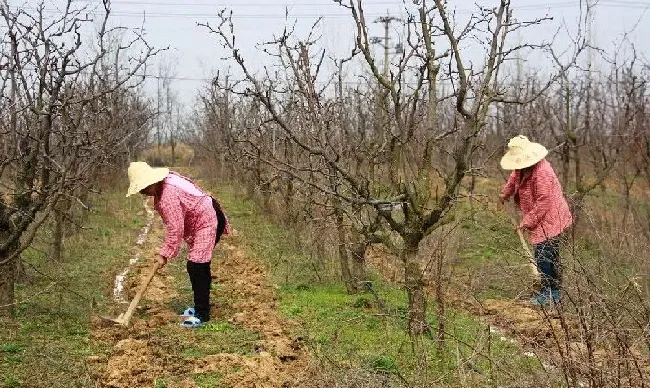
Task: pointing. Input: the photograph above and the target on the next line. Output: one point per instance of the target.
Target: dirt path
(150, 351)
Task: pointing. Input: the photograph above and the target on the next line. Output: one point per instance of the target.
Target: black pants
(201, 280)
(547, 256)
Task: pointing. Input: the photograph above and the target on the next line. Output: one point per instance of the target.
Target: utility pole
(519, 59)
(383, 127)
(158, 131)
(386, 20)
(591, 10)
(385, 42)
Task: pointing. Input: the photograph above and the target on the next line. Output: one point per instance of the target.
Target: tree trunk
(351, 285)
(21, 275)
(173, 146)
(7, 281)
(83, 217)
(251, 185)
(61, 225)
(568, 133)
(265, 192)
(290, 215)
(358, 262)
(566, 150)
(417, 303)
(440, 299)
(57, 235)
(346, 275)
(344, 261)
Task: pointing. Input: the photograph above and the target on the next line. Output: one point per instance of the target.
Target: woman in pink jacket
(545, 212)
(188, 214)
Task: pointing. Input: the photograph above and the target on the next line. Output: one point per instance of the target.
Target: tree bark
(344, 261)
(290, 215)
(21, 275)
(358, 264)
(7, 280)
(60, 211)
(172, 144)
(346, 275)
(417, 303)
(440, 300)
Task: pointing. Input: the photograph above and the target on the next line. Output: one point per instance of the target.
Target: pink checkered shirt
(188, 215)
(545, 212)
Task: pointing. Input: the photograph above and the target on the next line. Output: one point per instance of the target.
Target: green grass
(275, 244)
(343, 330)
(350, 332)
(208, 380)
(47, 343)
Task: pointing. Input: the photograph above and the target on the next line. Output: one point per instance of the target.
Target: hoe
(125, 318)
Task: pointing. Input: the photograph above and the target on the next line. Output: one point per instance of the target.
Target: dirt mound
(137, 357)
(280, 361)
(262, 370)
(531, 325)
(133, 362)
(136, 360)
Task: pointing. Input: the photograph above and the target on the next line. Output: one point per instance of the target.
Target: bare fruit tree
(417, 156)
(70, 110)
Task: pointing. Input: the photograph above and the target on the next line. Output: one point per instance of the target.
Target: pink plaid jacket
(545, 212)
(188, 215)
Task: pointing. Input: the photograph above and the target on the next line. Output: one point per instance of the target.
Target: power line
(360, 79)
(531, 7)
(249, 16)
(155, 3)
(541, 5)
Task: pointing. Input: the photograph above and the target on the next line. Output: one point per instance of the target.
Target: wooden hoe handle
(522, 239)
(134, 303)
(524, 244)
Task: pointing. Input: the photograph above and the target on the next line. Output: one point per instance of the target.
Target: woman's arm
(509, 187)
(173, 215)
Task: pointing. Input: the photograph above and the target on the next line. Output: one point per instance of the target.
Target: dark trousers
(547, 256)
(201, 280)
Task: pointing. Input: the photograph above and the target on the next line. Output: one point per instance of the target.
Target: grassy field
(351, 335)
(352, 338)
(47, 344)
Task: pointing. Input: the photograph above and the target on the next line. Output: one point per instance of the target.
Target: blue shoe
(555, 295)
(192, 322)
(189, 312)
(541, 299)
(546, 297)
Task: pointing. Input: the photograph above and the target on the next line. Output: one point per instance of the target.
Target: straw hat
(522, 153)
(142, 175)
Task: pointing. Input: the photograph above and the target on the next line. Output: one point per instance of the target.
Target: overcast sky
(195, 55)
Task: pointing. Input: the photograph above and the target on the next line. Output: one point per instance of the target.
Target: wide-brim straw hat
(522, 153)
(142, 175)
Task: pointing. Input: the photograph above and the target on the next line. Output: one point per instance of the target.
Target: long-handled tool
(125, 318)
(524, 244)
